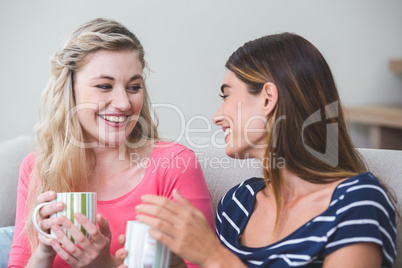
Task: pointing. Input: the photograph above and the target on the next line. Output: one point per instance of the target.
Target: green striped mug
(83, 202)
(143, 250)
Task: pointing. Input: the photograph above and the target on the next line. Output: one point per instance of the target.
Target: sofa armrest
(12, 152)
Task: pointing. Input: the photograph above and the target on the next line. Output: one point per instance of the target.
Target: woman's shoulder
(171, 149)
(364, 185)
(28, 161)
(26, 167)
(360, 211)
(244, 190)
(251, 186)
(362, 194)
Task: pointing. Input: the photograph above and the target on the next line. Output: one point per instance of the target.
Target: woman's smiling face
(243, 118)
(109, 96)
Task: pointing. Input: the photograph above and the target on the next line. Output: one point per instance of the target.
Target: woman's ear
(270, 95)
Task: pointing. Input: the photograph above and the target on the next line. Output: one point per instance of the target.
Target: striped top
(360, 211)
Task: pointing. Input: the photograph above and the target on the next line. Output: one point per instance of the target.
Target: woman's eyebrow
(223, 87)
(103, 76)
(108, 77)
(135, 77)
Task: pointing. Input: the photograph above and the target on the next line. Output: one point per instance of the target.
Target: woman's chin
(233, 152)
(112, 141)
(239, 152)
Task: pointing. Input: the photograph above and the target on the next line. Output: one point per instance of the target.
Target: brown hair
(306, 93)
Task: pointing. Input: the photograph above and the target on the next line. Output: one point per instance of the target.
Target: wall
(187, 44)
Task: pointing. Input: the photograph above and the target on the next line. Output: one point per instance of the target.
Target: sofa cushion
(387, 166)
(12, 153)
(222, 172)
(6, 238)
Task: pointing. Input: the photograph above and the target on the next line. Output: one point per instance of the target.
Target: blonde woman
(317, 208)
(96, 134)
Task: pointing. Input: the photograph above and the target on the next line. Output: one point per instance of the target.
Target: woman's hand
(93, 252)
(121, 253)
(45, 222)
(181, 227)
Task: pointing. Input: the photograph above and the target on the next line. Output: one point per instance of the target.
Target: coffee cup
(83, 202)
(143, 250)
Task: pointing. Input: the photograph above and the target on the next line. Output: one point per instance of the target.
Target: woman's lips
(228, 131)
(114, 120)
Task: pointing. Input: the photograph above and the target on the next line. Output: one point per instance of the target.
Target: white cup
(143, 250)
(84, 202)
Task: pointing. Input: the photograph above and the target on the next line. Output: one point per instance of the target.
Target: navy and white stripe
(360, 211)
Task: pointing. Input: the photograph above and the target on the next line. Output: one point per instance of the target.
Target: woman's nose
(121, 100)
(218, 117)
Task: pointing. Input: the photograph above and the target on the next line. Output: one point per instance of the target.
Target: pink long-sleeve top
(171, 166)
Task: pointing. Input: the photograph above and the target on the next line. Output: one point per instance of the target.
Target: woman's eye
(223, 96)
(134, 88)
(104, 86)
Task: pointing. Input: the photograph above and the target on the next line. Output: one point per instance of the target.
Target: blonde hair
(60, 164)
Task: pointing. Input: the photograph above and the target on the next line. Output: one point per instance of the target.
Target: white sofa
(221, 173)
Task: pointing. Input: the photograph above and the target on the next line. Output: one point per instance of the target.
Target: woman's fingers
(168, 211)
(121, 239)
(103, 226)
(190, 209)
(179, 204)
(44, 220)
(96, 235)
(76, 234)
(163, 208)
(50, 209)
(161, 202)
(68, 245)
(94, 250)
(63, 252)
(120, 255)
(180, 199)
(45, 241)
(163, 237)
(46, 197)
(156, 211)
(46, 224)
(162, 226)
(179, 225)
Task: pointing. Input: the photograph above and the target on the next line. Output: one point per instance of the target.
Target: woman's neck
(112, 160)
(108, 160)
(295, 188)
